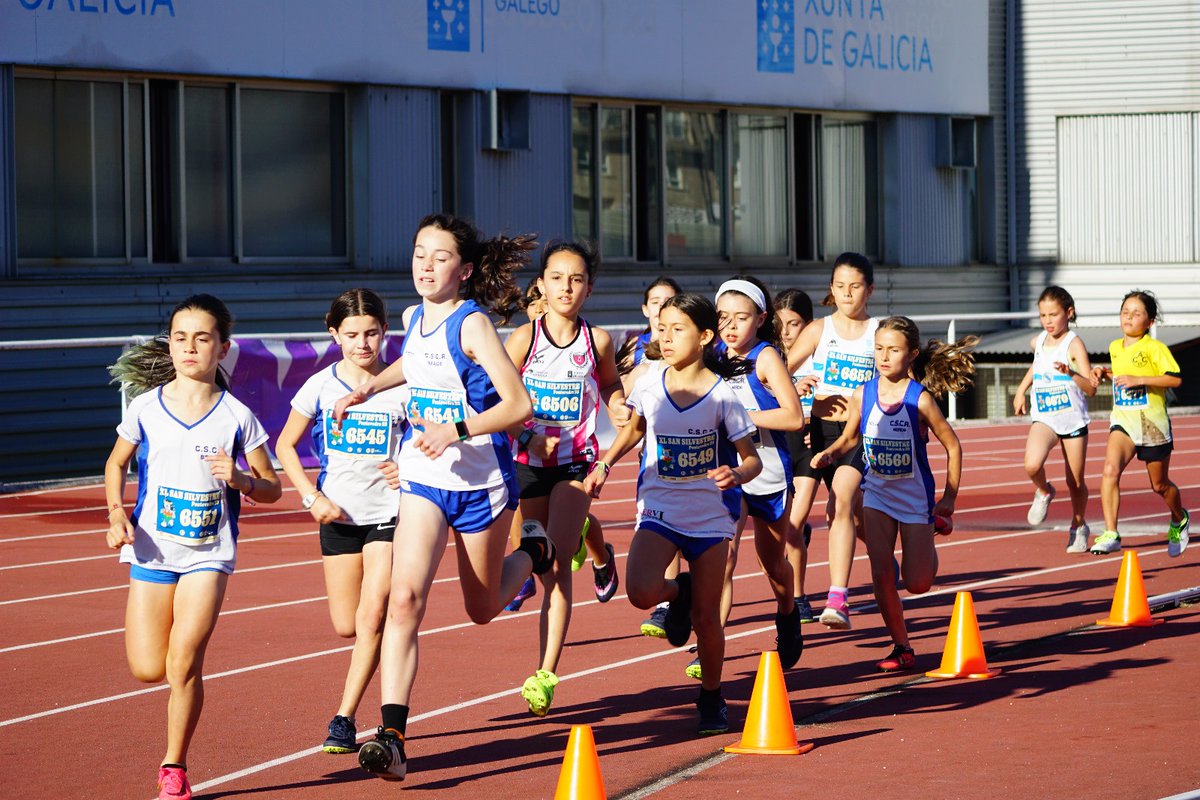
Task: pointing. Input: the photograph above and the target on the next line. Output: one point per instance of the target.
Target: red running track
(1077, 711)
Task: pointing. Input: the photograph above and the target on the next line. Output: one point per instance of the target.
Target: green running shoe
(538, 691)
(581, 554)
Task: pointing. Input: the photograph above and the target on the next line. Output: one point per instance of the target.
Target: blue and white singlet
(447, 386)
(776, 475)
(844, 364)
(898, 480)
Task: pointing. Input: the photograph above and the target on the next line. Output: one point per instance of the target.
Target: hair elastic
(745, 287)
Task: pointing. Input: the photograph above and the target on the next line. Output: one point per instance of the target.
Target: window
(293, 173)
(759, 193)
(695, 150)
(849, 187)
(225, 172)
(583, 200)
(80, 170)
(655, 184)
(616, 183)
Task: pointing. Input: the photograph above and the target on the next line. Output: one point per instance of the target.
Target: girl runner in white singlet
(456, 468)
(181, 539)
(689, 495)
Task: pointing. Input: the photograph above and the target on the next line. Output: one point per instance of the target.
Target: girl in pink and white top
(568, 368)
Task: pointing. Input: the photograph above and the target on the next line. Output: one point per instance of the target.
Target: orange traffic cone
(769, 728)
(580, 777)
(963, 656)
(1130, 609)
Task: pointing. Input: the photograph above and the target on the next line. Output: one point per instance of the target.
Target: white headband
(747, 288)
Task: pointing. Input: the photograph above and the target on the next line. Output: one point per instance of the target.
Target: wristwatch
(524, 439)
(308, 500)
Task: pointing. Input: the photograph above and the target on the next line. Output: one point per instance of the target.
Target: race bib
(437, 405)
(1130, 397)
(191, 518)
(556, 403)
(890, 459)
(686, 458)
(1051, 399)
(847, 370)
(362, 435)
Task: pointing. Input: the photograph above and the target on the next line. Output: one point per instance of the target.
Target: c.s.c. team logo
(449, 23)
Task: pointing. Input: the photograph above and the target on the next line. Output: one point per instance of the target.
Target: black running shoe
(789, 641)
(679, 612)
(341, 736)
(384, 756)
(714, 715)
(537, 546)
(605, 578)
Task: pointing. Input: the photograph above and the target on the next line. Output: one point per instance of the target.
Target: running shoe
(1077, 539)
(384, 756)
(1107, 542)
(538, 691)
(581, 554)
(806, 610)
(605, 578)
(1039, 506)
(679, 613)
(656, 624)
(789, 641)
(837, 612)
(714, 716)
(901, 659)
(173, 784)
(1177, 537)
(693, 670)
(528, 589)
(537, 546)
(342, 736)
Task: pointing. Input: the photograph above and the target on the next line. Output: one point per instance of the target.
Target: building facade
(278, 153)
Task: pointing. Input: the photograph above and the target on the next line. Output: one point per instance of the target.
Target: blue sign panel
(449, 25)
(776, 36)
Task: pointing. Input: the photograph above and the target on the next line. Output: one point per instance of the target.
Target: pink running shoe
(837, 612)
(173, 784)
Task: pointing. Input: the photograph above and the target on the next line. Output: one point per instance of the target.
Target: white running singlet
(184, 518)
(350, 454)
(1054, 399)
(562, 385)
(844, 364)
(681, 446)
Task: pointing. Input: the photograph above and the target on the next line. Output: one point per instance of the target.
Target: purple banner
(267, 373)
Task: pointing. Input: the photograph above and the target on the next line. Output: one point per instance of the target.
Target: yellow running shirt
(1141, 411)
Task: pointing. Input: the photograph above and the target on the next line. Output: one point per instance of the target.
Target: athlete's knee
(345, 627)
(370, 617)
(182, 667)
(1112, 470)
(479, 610)
(1161, 486)
(643, 593)
(918, 584)
(147, 671)
(405, 605)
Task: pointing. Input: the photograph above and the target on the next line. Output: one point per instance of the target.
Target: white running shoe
(1077, 539)
(1107, 542)
(1039, 506)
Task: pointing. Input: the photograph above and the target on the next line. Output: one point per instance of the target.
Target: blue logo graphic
(776, 36)
(449, 25)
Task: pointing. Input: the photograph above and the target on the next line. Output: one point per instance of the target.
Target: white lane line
(241, 541)
(112, 631)
(126, 585)
(275, 762)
